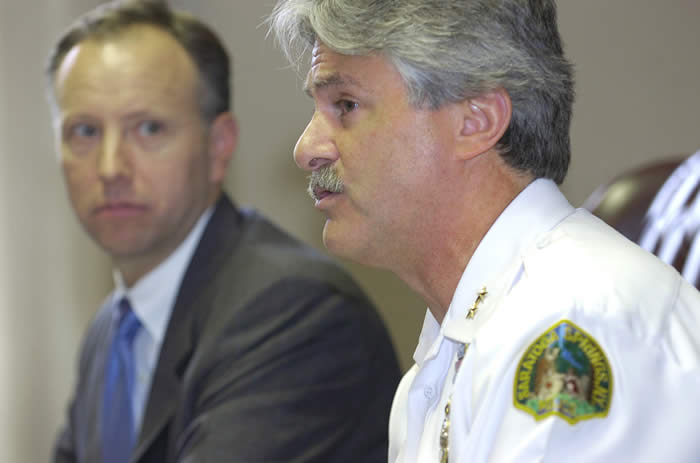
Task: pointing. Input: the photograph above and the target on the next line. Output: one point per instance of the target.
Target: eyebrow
(332, 80)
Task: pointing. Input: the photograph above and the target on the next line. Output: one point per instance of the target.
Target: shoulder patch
(564, 373)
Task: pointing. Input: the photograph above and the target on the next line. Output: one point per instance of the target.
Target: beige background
(638, 71)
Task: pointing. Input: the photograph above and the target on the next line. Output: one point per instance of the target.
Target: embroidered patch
(564, 373)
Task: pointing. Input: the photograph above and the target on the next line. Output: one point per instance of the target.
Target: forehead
(330, 69)
(142, 61)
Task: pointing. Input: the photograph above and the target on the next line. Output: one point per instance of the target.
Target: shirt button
(428, 392)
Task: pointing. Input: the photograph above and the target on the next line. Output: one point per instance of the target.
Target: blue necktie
(118, 436)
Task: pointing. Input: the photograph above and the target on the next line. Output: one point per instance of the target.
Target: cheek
(365, 155)
(78, 179)
(176, 183)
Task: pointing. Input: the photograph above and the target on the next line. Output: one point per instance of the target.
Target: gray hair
(451, 50)
(199, 41)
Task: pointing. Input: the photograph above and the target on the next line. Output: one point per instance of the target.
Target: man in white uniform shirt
(440, 133)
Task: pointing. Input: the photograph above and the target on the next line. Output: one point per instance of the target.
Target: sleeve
(654, 382)
(304, 374)
(682, 338)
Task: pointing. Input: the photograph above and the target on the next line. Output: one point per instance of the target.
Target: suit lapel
(89, 400)
(219, 236)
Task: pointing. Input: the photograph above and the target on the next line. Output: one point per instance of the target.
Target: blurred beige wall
(51, 277)
(638, 93)
(638, 85)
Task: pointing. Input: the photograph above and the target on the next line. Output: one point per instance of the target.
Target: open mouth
(319, 193)
(324, 182)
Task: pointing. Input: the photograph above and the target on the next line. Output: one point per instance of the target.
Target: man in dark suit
(224, 339)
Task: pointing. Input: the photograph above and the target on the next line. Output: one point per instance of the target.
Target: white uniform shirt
(152, 299)
(585, 349)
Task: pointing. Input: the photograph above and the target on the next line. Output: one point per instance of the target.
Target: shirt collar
(536, 210)
(153, 296)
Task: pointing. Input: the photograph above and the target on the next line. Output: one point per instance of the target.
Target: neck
(442, 254)
(133, 269)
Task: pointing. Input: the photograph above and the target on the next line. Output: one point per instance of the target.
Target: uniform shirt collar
(153, 296)
(536, 210)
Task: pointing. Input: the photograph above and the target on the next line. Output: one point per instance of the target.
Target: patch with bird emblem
(564, 373)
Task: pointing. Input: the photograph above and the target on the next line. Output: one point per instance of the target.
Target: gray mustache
(324, 178)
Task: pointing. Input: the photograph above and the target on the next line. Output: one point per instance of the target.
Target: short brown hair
(198, 40)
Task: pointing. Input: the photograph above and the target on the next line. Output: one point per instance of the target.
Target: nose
(113, 162)
(316, 146)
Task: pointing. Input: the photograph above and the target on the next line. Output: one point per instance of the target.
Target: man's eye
(346, 106)
(83, 130)
(150, 128)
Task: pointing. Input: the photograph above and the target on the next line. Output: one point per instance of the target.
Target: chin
(122, 245)
(348, 246)
(336, 241)
(331, 245)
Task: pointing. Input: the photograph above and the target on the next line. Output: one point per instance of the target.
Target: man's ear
(484, 121)
(223, 137)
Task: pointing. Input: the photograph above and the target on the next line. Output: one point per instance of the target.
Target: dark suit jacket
(272, 354)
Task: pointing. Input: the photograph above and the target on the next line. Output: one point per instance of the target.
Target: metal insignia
(564, 373)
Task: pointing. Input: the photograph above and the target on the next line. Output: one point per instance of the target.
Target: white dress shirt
(544, 263)
(152, 299)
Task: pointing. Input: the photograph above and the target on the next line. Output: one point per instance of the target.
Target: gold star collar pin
(475, 306)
